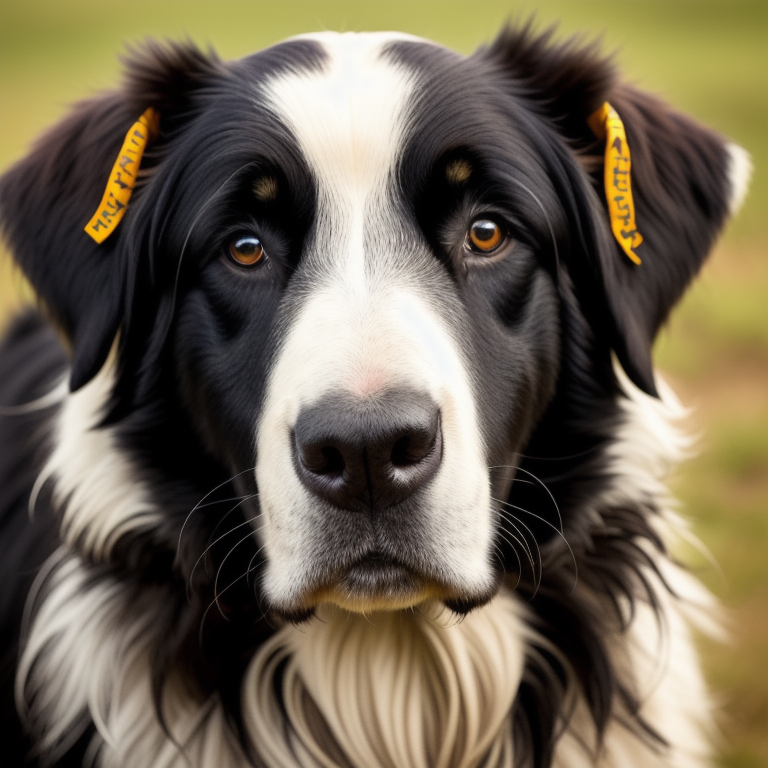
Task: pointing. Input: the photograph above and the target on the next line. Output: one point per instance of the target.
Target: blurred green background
(708, 58)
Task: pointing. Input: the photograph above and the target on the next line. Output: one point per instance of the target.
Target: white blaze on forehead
(346, 113)
(348, 117)
(367, 321)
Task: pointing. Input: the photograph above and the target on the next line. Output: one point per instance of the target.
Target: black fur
(195, 348)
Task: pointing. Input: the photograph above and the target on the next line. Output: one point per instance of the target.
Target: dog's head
(369, 268)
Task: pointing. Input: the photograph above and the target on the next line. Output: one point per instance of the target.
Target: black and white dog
(344, 448)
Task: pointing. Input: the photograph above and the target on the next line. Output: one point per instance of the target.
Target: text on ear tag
(122, 179)
(606, 124)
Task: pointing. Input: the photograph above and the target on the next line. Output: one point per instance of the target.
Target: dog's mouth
(379, 582)
(378, 579)
(376, 582)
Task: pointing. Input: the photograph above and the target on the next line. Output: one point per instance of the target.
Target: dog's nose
(368, 453)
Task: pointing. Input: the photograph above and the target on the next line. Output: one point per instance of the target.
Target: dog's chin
(374, 585)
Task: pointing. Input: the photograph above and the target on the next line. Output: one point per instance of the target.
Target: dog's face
(365, 268)
(378, 279)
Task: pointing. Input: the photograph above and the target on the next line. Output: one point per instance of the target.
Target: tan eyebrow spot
(458, 171)
(265, 188)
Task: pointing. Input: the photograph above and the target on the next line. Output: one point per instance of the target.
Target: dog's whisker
(224, 560)
(223, 536)
(538, 481)
(207, 495)
(519, 566)
(563, 457)
(502, 560)
(233, 509)
(536, 572)
(217, 596)
(511, 538)
(554, 528)
(244, 497)
(512, 520)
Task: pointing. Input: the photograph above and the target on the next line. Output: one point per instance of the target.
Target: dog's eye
(247, 251)
(484, 236)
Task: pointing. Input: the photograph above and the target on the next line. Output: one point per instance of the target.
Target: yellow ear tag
(606, 124)
(122, 179)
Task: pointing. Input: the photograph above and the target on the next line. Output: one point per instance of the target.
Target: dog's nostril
(412, 448)
(334, 461)
(400, 452)
(321, 459)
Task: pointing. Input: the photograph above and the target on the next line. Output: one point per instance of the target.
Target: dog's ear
(685, 180)
(47, 199)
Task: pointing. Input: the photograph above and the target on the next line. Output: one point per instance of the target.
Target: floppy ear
(47, 199)
(686, 179)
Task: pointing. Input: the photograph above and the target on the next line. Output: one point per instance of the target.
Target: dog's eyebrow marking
(458, 172)
(265, 188)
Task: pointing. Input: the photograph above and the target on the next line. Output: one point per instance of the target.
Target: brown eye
(247, 250)
(484, 236)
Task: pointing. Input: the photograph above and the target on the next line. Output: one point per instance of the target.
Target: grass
(710, 57)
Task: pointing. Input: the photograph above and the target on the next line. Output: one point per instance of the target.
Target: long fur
(180, 587)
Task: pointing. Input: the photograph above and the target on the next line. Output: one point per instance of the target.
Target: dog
(336, 439)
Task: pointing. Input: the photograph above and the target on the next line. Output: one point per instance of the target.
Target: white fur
(368, 324)
(87, 657)
(95, 486)
(48, 400)
(349, 120)
(658, 653)
(411, 688)
(648, 444)
(739, 174)
(659, 660)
